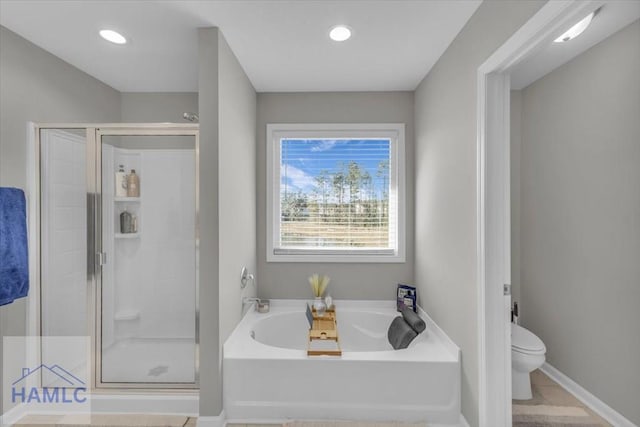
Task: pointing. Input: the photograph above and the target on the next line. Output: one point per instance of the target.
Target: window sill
(335, 256)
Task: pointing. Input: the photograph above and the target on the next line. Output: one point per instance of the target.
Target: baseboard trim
(279, 422)
(13, 415)
(218, 421)
(595, 404)
(461, 423)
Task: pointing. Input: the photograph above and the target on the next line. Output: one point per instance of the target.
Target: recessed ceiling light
(576, 30)
(340, 33)
(112, 36)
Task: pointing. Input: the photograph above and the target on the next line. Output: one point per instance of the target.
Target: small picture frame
(406, 296)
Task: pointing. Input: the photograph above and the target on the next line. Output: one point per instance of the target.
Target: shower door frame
(162, 130)
(94, 133)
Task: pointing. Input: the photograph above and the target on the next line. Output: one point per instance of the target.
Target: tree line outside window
(348, 206)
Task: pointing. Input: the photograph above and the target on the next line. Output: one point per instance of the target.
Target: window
(335, 193)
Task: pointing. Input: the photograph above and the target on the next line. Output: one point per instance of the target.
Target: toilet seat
(525, 341)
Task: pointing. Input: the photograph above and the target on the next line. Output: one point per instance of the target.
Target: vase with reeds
(318, 286)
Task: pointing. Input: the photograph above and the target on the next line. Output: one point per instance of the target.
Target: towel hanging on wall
(14, 264)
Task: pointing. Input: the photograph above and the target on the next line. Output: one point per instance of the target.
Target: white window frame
(394, 132)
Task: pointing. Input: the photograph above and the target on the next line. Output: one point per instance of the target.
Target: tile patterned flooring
(333, 424)
(553, 406)
(253, 425)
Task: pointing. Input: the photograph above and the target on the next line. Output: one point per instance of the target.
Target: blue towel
(14, 264)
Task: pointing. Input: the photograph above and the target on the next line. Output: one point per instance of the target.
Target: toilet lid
(525, 341)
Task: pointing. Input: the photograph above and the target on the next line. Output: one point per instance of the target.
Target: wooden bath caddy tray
(323, 335)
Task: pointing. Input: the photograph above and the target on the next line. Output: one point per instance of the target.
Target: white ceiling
(612, 17)
(283, 45)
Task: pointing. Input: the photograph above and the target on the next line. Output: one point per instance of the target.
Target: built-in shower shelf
(127, 315)
(127, 235)
(127, 199)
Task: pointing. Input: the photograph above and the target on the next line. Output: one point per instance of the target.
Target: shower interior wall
(162, 246)
(148, 286)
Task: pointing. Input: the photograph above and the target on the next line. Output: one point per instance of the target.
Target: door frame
(34, 300)
(97, 344)
(493, 200)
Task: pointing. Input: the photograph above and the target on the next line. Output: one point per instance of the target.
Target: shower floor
(143, 360)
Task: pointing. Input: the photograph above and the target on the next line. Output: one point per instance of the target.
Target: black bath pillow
(400, 334)
(412, 318)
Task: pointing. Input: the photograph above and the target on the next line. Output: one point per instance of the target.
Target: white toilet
(527, 355)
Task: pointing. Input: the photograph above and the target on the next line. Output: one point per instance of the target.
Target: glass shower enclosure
(118, 249)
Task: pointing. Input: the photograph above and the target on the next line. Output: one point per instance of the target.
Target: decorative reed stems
(319, 284)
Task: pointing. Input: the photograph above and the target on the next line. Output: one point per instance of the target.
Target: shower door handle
(101, 258)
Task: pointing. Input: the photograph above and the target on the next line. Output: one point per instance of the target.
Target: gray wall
(210, 378)
(237, 178)
(580, 229)
(227, 107)
(37, 86)
(350, 281)
(146, 107)
(446, 182)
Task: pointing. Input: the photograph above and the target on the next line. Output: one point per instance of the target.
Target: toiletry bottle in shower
(133, 184)
(126, 222)
(121, 182)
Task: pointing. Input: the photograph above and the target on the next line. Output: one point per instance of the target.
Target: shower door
(147, 286)
(127, 288)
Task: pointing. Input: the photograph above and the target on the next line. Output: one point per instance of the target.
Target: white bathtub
(270, 377)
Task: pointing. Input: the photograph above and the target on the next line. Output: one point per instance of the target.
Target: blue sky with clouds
(304, 159)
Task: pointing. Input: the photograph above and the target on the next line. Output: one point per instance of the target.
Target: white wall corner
(217, 421)
(591, 401)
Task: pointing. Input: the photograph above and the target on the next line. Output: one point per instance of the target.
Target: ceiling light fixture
(576, 30)
(340, 33)
(113, 36)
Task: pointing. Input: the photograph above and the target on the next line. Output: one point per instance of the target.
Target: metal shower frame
(94, 133)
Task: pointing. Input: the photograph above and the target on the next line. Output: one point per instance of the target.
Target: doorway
(493, 202)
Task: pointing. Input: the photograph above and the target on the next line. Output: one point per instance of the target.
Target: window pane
(334, 194)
